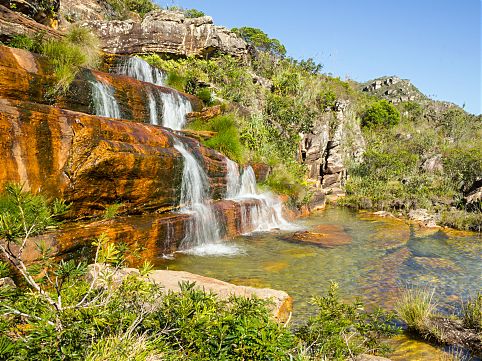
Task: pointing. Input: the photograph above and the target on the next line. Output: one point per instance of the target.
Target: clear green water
(383, 256)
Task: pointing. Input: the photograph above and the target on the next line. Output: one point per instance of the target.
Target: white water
(104, 100)
(263, 217)
(174, 110)
(202, 230)
(139, 69)
(153, 114)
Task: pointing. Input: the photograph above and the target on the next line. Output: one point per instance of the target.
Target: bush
(261, 41)
(193, 13)
(381, 113)
(339, 330)
(415, 307)
(472, 312)
(122, 7)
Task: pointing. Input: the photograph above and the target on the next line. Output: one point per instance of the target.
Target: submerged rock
(324, 235)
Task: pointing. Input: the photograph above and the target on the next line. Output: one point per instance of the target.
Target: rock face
(167, 32)
(14, 23)
(42, 11)
(393, 89)
(327, 150)
(95, 161)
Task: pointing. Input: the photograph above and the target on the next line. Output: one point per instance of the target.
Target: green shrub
(112, 210)
(261, 41)
(381, 114)
(33, 44)
(122, 7)
(206, 95)
(340, 331)
(415, 307)
(193, 13)
(472, 312)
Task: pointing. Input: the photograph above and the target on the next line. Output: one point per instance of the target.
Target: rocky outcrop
(42, 11)
(393, 89)
(95, 161)
(86, 10)
(14, 23)
(167, 32)
(327, 149)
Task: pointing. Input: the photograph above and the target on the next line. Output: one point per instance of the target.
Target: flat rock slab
(326, 236)
(282, 302)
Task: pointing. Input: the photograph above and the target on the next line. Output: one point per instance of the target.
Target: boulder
(423, 217)
(324, 235)
(261, 171)
(7, 282)
(167, 32)
(473, 198)
(281, 307)
(205, 114)
(433, 164)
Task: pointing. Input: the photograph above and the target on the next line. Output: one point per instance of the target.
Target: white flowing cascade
(139, 69)
(174, 110)
(202, 230)
(262, 217)
(104, 100)
(174, 105)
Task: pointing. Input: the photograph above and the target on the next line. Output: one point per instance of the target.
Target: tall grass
(472, 312)
(415, 307)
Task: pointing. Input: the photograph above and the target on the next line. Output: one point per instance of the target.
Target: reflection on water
(383, 255)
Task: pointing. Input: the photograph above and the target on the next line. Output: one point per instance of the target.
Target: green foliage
(33, 44)
(472, 312)
(340, 330)
(415, 306)
(123, 7)
(66, 56)
(112, 210)
(381, 114)
(226, 140)
(462, 219)
(205, 95)
(261, 41)
(193, 13)
(23, 214)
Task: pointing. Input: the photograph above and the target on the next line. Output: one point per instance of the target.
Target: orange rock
(325, 235)
(205, 114)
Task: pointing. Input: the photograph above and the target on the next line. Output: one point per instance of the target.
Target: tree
(381, 113)
(260, 40)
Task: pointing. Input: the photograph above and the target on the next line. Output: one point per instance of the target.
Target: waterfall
(139, 69)
(153, 114)
(262, 217)
(174, 105)
(104, 101)
(202, 230)
(174, 110)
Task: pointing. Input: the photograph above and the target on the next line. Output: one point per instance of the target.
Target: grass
(415, 307)
(472, 312)
(80, 48)
(226, 140)
(112, 210)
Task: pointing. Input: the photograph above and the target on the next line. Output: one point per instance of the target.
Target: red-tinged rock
(324, 235)
(95, 161)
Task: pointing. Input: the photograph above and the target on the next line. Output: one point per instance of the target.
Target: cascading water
(263, 217)
(104, 101)
(139, 69)
(202, 230)
(174, 105)
(175, 108)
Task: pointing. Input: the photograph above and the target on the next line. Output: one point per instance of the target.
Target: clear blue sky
(434, 43)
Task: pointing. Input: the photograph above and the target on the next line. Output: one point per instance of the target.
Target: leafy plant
(112, 210)
(381, 113)
(261, 41)
(340, 330)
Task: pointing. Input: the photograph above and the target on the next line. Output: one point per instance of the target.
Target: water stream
(202, 232)
(104, 100)
(139, 69)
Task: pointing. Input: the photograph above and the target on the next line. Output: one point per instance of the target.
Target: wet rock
(261, 171)
(205, 114)
(168, 32)
(423, 216)
(326, 236)
(437, 263)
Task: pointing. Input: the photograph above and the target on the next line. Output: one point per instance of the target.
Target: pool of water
(369, 257)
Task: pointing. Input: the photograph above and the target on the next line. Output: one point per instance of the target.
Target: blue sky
(434, 43)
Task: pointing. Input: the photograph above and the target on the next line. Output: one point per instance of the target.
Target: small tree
(381, 113)
(260, 40)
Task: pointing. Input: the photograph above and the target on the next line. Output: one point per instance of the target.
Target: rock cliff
(334, 141)
(167, 32)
